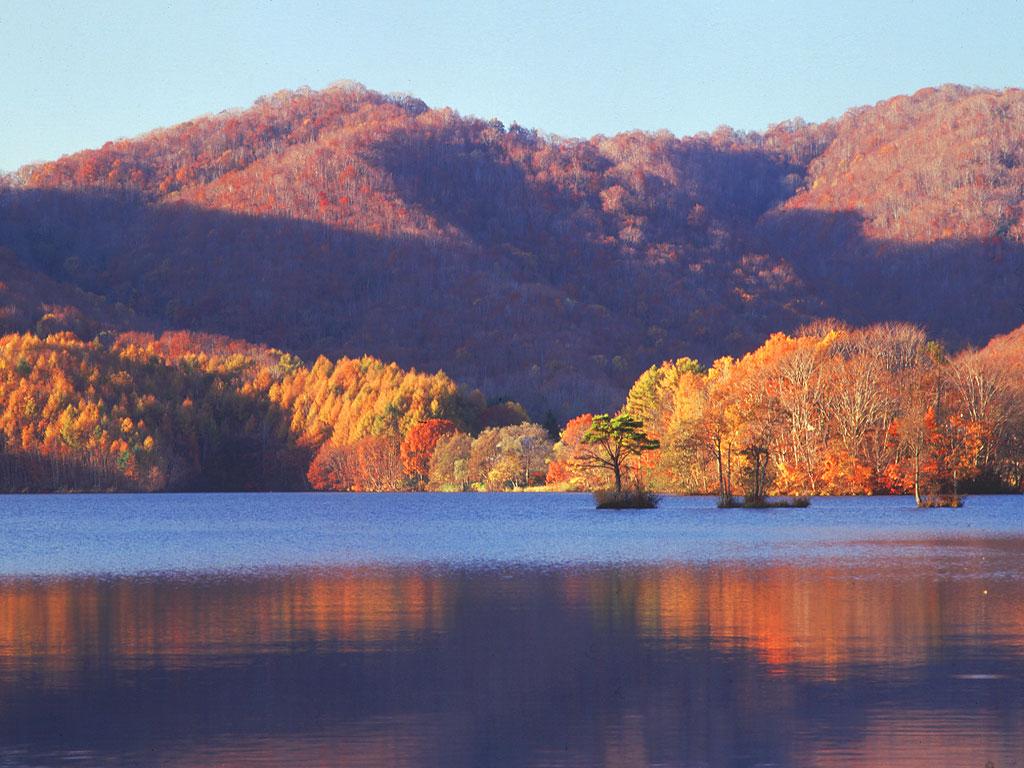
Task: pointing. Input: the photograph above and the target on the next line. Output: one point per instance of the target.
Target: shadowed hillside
(550, 270)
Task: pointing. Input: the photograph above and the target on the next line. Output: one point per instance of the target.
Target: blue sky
(76, 74)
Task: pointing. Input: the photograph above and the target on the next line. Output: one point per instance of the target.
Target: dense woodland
(829, 410)
(548, 270)
(834, 410)
(190, 412)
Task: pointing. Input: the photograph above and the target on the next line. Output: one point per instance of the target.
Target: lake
(508, 630)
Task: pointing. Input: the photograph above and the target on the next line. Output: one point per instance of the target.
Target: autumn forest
(248, 301)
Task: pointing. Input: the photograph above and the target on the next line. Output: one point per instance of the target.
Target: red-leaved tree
(418, 446)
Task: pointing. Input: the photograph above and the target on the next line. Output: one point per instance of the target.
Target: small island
(755, 472)
(940, 500)
(637, 498)
(762, 502)
(616, 444)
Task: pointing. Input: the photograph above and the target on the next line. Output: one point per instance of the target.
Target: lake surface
(508, 630)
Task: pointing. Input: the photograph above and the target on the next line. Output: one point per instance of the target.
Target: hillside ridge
(345, 222)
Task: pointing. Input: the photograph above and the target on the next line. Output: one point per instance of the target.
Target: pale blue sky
(74, 74)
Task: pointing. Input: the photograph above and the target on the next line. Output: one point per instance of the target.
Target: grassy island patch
(761, 502)
(626, 499)
(952, 500)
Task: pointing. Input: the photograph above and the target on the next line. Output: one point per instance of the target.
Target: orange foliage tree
(565, 468)
(418, 447)
(835, 410)
(372, 463)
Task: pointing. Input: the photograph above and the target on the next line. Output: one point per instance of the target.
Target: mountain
(549, 270)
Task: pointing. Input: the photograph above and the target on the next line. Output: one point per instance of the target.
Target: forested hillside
(554, 271)
(196, 412)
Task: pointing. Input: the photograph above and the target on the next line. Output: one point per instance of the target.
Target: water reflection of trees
(830, 619)
(607, 666)
(59, 625)
(823, 616)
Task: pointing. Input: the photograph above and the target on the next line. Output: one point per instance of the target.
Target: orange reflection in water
(898, 611)
(605, 666)
(816, 615)
(56, 626)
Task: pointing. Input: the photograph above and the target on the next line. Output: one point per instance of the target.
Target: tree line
(827, 410)
(833, 410)
(183, 411)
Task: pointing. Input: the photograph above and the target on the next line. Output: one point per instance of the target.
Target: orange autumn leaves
(196, 412)
(419, 443)
(828, 410)
(837, 411)
(380, 462)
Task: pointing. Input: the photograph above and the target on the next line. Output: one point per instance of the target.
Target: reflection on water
(909, 657)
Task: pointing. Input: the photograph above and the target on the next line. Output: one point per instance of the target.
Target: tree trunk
(721, 474)
(917, 477)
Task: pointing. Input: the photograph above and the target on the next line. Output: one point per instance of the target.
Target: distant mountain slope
(1009, 348)
(550, 270)
(944, 163)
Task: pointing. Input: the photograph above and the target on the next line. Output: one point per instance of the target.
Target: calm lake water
(508, 630)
